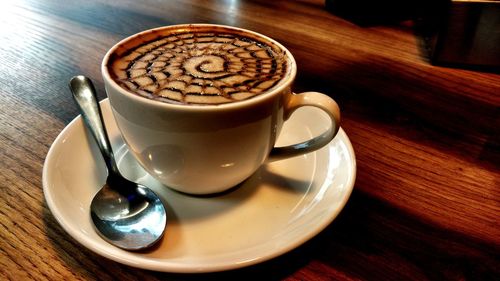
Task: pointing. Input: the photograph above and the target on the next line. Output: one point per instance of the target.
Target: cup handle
(320, 101)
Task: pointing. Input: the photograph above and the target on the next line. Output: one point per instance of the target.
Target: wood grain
(427, 139)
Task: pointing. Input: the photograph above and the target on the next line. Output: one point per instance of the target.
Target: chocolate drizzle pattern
(200, 68)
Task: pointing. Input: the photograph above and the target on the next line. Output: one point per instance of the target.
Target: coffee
(196, 66)
(205, 145)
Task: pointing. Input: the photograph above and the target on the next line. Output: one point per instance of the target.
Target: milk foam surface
(199, 68)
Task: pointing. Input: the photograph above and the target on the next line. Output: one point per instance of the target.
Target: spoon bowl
(126, 214)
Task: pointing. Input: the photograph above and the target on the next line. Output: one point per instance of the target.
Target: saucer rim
(163, 265)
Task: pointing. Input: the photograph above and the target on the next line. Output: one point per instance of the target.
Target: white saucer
(280, 207)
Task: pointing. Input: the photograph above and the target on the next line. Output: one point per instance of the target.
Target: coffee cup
(200, 106)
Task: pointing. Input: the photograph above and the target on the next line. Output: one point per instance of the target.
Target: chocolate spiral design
(200, 68)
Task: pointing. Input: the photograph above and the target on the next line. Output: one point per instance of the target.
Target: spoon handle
(85, 97)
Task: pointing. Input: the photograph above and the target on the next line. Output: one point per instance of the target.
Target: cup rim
(282, 85)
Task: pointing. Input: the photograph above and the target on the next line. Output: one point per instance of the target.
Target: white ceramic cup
(204, 149)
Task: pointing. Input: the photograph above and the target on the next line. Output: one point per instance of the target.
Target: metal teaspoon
(126, 214)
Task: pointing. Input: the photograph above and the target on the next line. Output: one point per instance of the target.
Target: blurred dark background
(463, 34)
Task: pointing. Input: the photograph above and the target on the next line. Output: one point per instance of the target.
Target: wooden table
(426, 202)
